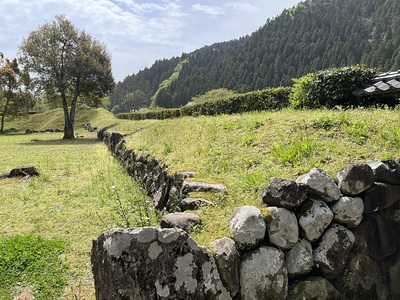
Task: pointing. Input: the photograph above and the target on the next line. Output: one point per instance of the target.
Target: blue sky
(137, 33)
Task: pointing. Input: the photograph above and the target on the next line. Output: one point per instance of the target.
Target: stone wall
(318, 238)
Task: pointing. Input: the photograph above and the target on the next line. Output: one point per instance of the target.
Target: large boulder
(320, 184)
(283, 229)
(314, 218)
(263, 274)
(151, 263)
(247, 227)
(355, 179)
(300, 259)
(284, 193)
(184, 221)
(378, 235)
(387, 171)
(363, 280)
(228, 261)
(332, 253)
(348, 211)
(381, 196)
(394, 277)
(313, 288)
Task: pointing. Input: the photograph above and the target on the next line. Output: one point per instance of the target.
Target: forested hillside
(314, 35)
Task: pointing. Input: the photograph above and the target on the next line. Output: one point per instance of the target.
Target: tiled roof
(384, 84)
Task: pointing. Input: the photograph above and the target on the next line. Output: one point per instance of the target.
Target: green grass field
(82, 191)
(73, 200)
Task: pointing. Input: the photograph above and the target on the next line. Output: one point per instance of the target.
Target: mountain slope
(314, 35)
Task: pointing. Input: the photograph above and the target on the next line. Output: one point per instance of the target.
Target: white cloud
(138, 32)
(208, 9)
(243, 7)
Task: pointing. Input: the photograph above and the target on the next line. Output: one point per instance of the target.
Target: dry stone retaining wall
(322, 238)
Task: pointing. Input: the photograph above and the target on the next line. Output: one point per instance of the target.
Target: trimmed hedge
(268, 99)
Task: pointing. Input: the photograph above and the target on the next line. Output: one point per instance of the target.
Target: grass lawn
(74, 200)
(82, 191)
(245, 151)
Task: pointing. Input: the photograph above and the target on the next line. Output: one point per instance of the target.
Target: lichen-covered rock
(314, 288)
(151, 263)
(363, 280)
(300, 259)
(283, 229)
(284, 193)
(180, 220)
(331, 255)
(315, 217)
(355, 179)
(320, 184)
(174, 201)
(194, 203)
(247, 226)
(194, 186)
(228, 261)
(348, 211)
(263, 274)
(381, 196)
(387, 171)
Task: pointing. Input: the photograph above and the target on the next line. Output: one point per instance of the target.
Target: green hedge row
(268, 99)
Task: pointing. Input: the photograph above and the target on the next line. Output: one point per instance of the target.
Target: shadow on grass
(61, 142)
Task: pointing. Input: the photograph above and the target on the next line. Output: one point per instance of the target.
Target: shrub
(330, 88)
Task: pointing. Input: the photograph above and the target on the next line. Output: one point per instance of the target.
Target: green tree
(14, 98)
(68, 63)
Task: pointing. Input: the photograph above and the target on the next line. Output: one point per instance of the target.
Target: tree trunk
(69, 133)
(68, 125)
(2, 123)
(3, 116)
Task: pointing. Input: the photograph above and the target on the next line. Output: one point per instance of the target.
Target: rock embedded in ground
(355, 179)
(194, 203)
(194, 186)
(23, 171)
(247, 226)
(282, 227)
(184, 221)
(320, 184)
(284, 193)
(180, 176)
